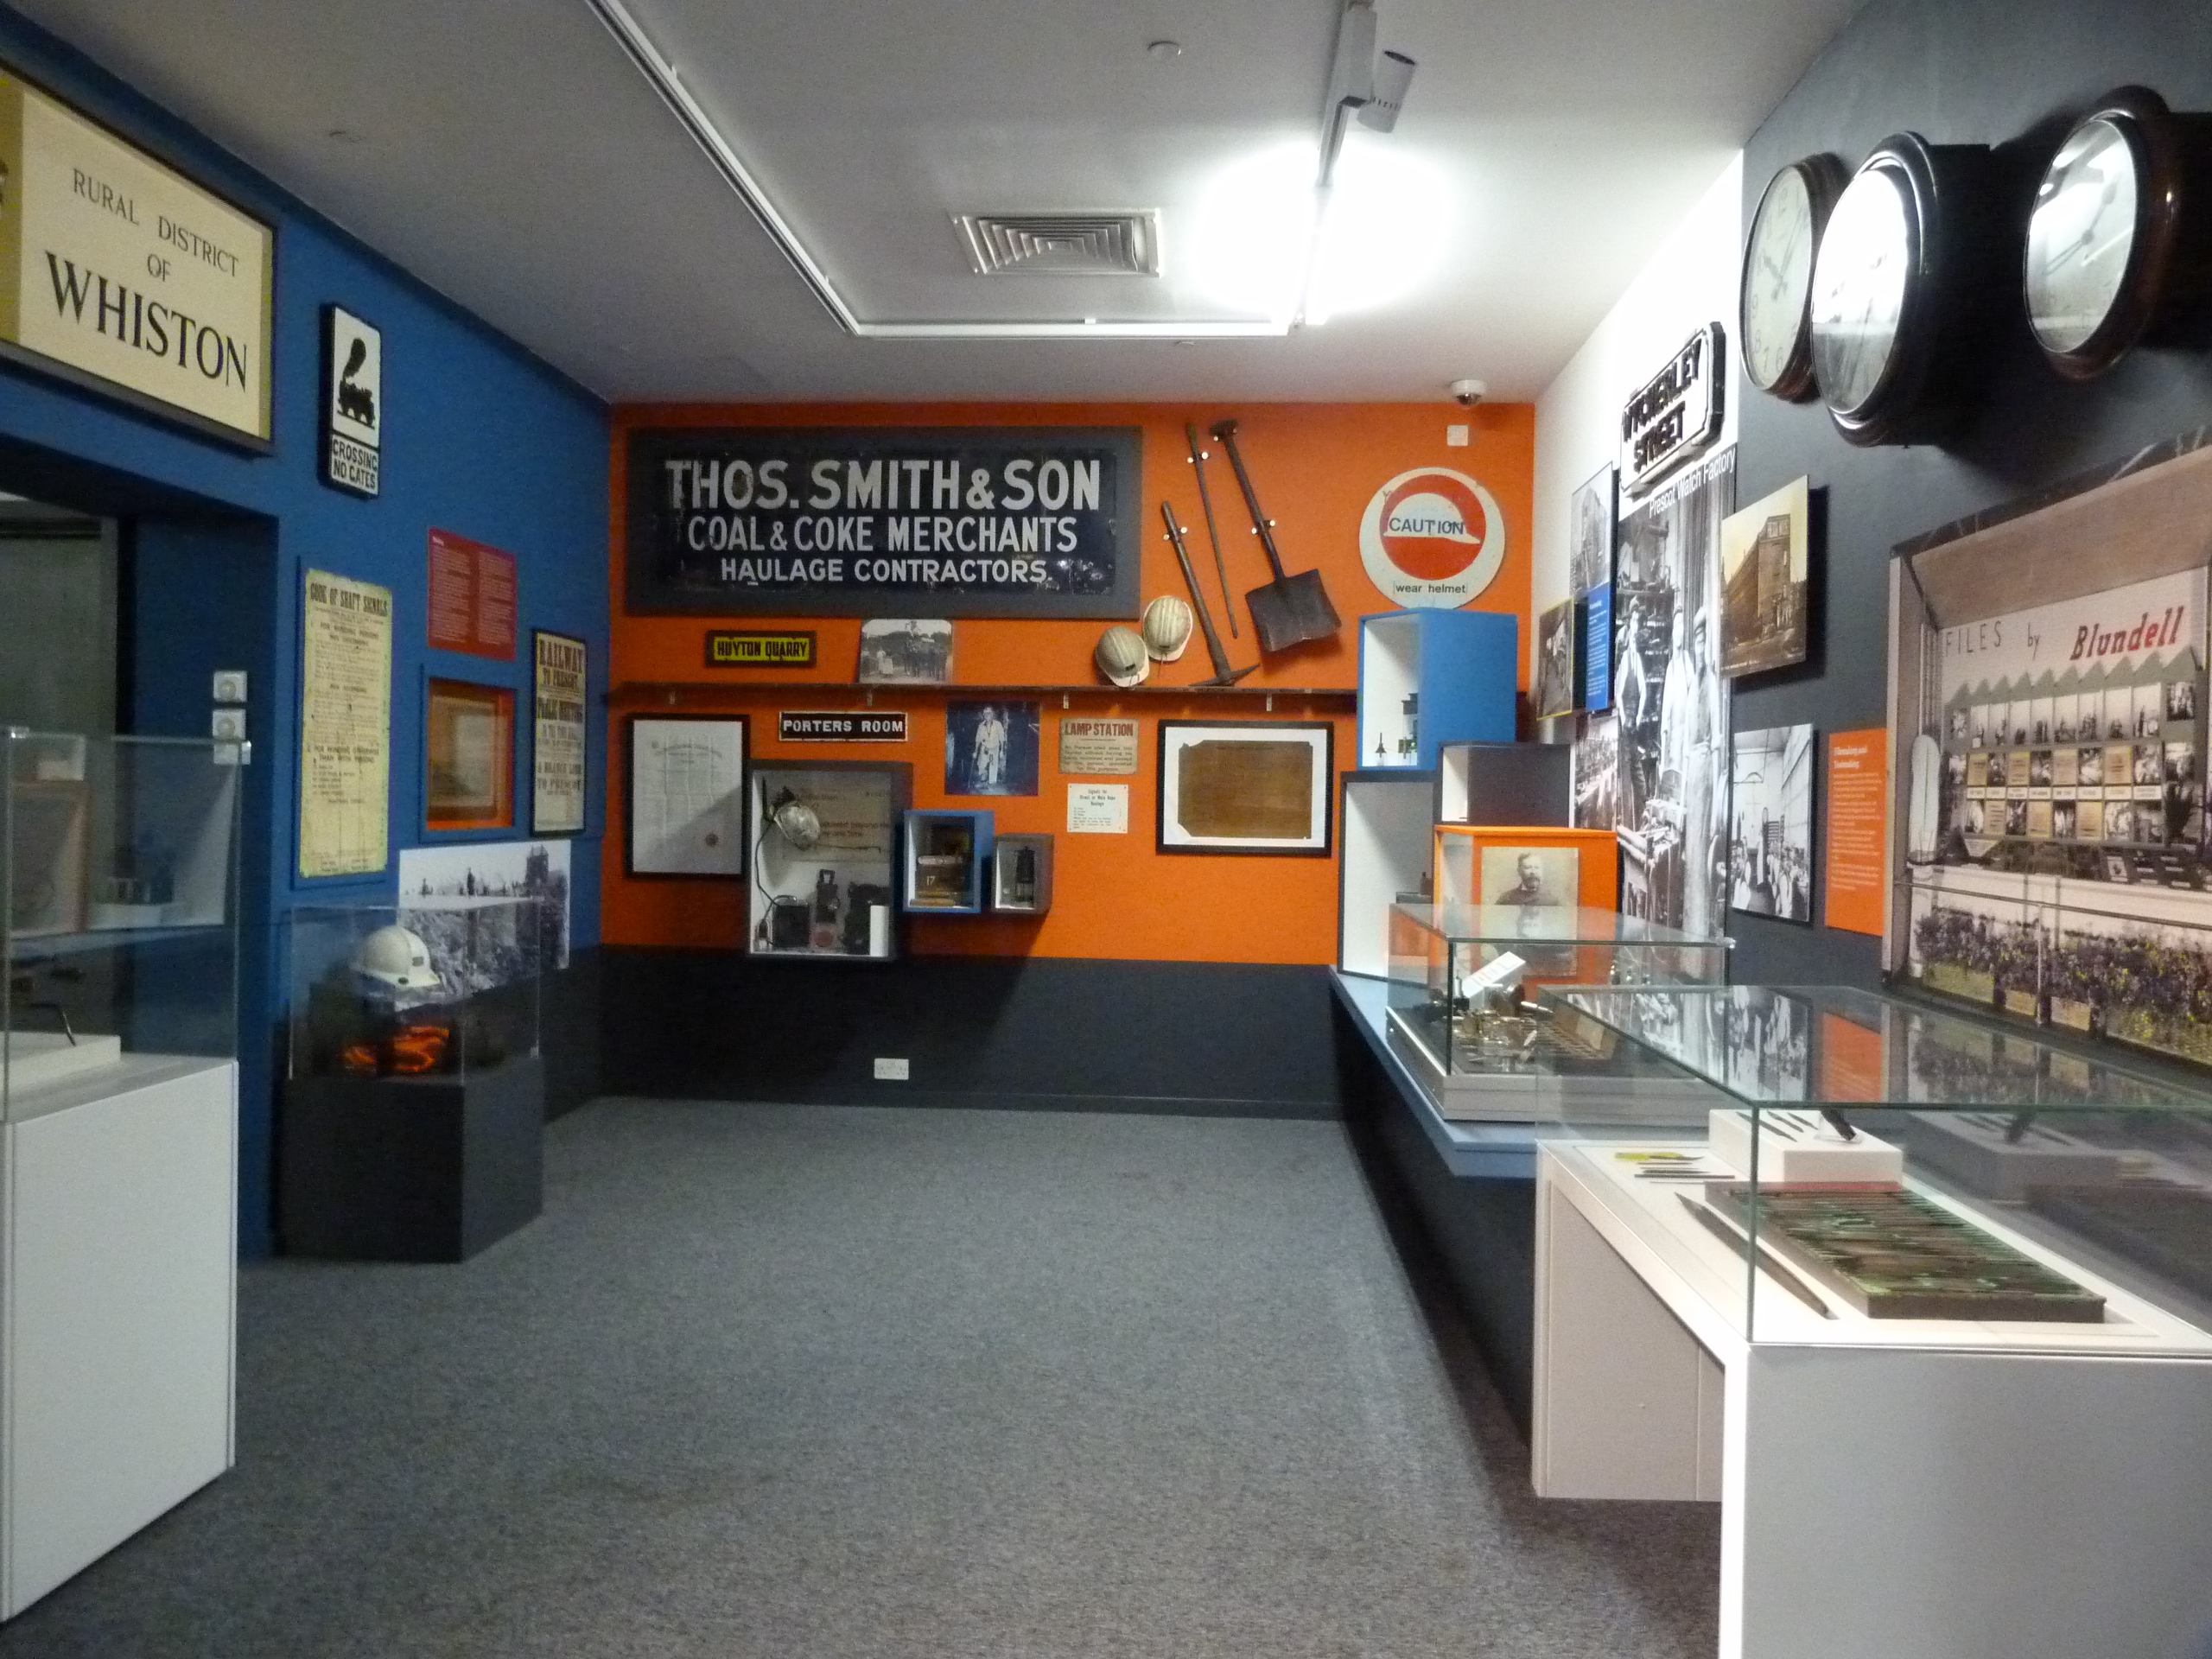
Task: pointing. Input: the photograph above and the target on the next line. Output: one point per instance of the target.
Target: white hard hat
(1121, 657)
(394, 956)
(1166, 628)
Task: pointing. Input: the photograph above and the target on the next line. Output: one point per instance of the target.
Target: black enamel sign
(884, 521)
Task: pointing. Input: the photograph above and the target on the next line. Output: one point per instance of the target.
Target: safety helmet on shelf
(1121, 657)
(1166, 628)
(395, 957)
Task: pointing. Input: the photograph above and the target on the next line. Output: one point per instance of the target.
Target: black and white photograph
(990, 749)
(2181, 699)
(905, 650)
(1556, 639)
(1672, 702)
(1590, 516)
(1763, 578)
(1598, 774)
(460, 900)
(1771, 863)
(1532, 877)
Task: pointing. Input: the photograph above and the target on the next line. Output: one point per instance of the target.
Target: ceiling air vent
(1062, 245)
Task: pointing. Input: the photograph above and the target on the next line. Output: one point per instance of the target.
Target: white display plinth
(118, 1205)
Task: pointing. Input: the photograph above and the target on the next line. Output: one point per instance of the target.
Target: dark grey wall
(1041, 1033)
(1995, 72)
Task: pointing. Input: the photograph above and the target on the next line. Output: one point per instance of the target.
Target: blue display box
(1460, 670)
(948, 863)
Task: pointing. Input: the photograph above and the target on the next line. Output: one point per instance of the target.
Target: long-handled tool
(1223, 673)
(1213, 532)
(1290, 609)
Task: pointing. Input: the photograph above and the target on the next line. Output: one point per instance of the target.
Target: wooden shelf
(673, 693)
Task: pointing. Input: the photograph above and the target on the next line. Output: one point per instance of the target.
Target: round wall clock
(2117, 241)
(1900, 289)
(1776, 285)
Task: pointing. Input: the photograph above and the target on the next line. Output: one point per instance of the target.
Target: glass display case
(1883, 1172)
(825, 855)
(119, 932)
(438, 990)
(1464, 1007)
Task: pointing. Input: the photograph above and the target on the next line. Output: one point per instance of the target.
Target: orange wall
(1315, 465)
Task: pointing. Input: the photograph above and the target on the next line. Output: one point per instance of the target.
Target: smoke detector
(1062, 245)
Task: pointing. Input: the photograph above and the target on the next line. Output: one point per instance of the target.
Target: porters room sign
(884, 521)
(119, 274)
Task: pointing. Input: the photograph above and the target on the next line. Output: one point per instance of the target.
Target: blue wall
(481, 438)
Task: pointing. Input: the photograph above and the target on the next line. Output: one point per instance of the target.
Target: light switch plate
(227, 725)
(890, 1070)
(230, 686)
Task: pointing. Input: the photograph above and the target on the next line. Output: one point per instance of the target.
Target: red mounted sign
(472, 597)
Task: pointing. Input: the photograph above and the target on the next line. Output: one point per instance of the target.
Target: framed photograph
(904, 651)
(1764, 586)
(990, 749)
(1771, 851)
(556, 750)
(1532, 877)
(1559, 642)
(684, 799)
(469, 755)
(1245, 786)
(1590, 516)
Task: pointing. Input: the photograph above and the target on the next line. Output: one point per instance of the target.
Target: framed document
(1245, 786)
(469, 749)
(684, 803)
(556, 752)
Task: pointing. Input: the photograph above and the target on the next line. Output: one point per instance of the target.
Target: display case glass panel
(435, 990)
(825, 857)
(119, 930)
(1464, 1006)
(1912, 1177)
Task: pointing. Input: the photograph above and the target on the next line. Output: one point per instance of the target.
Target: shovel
(1290, 609)
(1223, 673)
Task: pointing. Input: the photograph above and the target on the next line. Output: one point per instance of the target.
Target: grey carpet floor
(810, 1382)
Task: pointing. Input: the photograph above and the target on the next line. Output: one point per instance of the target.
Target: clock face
(2082, 235)
(1777, 276)
(1859, 281)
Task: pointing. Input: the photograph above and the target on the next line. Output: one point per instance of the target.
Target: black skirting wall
(1034, 1033)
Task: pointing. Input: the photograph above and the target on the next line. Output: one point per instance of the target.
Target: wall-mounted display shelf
(948, 862)
(1504, 782)
(1429, 677)
(825, 857)
(1390, 842)
(1022, 874)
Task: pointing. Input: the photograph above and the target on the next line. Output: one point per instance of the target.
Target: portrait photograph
(990, 749)
(1532, 877)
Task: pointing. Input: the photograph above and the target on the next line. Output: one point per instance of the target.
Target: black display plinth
(406, 1169)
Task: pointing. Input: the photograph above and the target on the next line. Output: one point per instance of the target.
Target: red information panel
(1859, 829)
(471, 597)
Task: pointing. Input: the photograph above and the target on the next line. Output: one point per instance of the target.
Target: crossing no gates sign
(1433, 539)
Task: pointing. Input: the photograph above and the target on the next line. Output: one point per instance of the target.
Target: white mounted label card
(1098, 809)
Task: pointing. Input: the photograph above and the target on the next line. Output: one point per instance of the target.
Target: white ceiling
(511, 154)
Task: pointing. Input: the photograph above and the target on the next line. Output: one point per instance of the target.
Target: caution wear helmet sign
(1431, 538)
